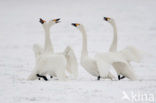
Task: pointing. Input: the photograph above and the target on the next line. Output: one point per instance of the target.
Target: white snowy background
(20, 29)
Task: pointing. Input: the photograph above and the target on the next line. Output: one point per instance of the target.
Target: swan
(126, 55)
(90, 64)
(113, 48)
(68, 54)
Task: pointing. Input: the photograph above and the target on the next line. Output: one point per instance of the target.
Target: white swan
(126, 55)
(90, 64)
(68, 54)
(133, 53)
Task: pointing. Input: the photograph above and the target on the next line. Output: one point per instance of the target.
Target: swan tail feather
(32, 76)
(132, 54)
(72, 65)
(128, 71)
(103, 67)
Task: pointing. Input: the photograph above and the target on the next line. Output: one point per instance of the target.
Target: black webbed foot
(121, 77)
(41, 76)
(98, 78)
(118, 77)
(51, 76)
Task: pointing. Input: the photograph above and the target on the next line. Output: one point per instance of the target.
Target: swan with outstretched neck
(48, 47)
(89, 64)
(68, 54)
(113, 47)
(129, 51)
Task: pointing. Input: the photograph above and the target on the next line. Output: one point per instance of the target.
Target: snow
(20, 29)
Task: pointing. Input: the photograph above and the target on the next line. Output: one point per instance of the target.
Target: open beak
(106, 18)
(42, 21)
(56, 20)
(75, 24)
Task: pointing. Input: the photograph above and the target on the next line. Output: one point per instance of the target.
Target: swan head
(75, 24)
(79, 26)
(110, 20)
(49, 23)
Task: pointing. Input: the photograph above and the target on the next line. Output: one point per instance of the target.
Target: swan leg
(119, 78)
(122, 77)
(42, 76)
(51, 76)
(98, 78)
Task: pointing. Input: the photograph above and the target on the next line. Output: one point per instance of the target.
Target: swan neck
(48, 45)
(84, 52)
(113, 46)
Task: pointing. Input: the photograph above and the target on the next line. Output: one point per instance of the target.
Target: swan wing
(131, 54)
(72, 65)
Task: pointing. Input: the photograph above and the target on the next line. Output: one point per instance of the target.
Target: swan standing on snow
(66, 60)
(48, 47)
(90, 64)
(128, 54)
(113, 48)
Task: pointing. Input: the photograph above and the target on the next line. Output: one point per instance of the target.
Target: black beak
(73, 24)
(57, 20)
(41, 21)
(105, 18)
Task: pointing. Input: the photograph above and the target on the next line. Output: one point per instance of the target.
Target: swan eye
(42, 21)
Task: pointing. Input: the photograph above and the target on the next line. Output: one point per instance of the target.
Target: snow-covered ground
(20, 29)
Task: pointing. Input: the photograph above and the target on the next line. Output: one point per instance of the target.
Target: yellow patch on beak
(108, 18)
(54, 20)
(77, 24)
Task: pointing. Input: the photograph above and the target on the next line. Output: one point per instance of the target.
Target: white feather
(72, 65)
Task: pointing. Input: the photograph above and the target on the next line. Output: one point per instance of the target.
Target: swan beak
(106, 18)
(56, 20)
(75, 24)
(42, 21)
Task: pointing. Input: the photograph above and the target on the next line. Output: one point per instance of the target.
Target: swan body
(51, 64)
(90, 64)
(117, 60)
(47, 61)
